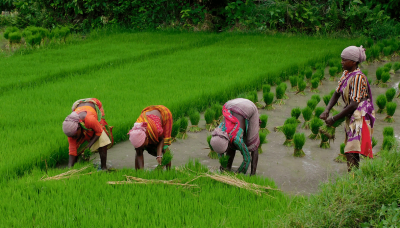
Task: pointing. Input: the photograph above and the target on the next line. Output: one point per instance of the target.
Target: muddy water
(292, 175)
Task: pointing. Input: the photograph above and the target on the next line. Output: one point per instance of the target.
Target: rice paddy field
(127, 72)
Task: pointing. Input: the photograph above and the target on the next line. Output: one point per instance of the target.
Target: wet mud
(291, 174)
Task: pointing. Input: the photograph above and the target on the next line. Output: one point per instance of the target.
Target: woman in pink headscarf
(359, 110)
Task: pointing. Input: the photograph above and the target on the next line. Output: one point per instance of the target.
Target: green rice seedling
(183, 128)
(387, 67)
(381, 102)
(375, 51)
(290, 120)
(374, 142)
(217, 108)
(316, 97)
(194, 117)
(326, 99)
(86, 154)
(301, 87)
(284, 85)
(332, 73)
(268, 99)
(388, 143)
(266, 88)
(277, 81)
(280, 93)
(395, 44)
(341, 158)
(396, 66)
(175, 130)
(299, 141)
(332, 62)
(388, 131)
(312, 104)
(253, 96)
(314, 86)
(387, 51)
(263, 140)
(307, 114)
(385, 79)
(390, 110)
(369, 42)
(212, 154)
(390, 93)
(378, 74)
(263, 125)
(308, 73)
(295, 113)
(293, 83)
(289, 130)
(209, 116)
(321, 74)
(315, 124)
(223, 161)
(339, 66)
(324, 142)
(365, 72)
(166, 159)
(318, 111)
(330, 131)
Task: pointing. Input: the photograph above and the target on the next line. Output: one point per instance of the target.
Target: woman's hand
(159, 160)
(324, 115)
(329, 121)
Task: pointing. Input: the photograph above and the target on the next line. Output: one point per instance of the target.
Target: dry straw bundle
(68, 174)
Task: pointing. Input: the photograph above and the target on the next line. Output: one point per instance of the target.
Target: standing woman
(359, 110)
(87, 128)
(151, 132)
(238, 131)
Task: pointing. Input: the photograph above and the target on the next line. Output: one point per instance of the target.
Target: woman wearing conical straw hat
(238, 131)
(359, 110)
(86, 128)
(151, 132)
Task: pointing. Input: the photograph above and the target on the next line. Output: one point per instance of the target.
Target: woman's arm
(347, 111)
(245, 153)
(159, 149)
(332, 102)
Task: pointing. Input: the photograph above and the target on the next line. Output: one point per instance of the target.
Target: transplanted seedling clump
(209, 116)
(390, 110)
(183, 128)
(301, 87)
(166, 159)
(381, 102)
(263, 125)
(315, 124)
(263, 140)
(341, 158)
(299, 141)
(212, 154)
(328, 132)
(175, 130)
(194, 120)
(289, 130)
(293, 82)
(332, 73)
(390, 93)
(307, 114)
(280, 93)
(295, 113)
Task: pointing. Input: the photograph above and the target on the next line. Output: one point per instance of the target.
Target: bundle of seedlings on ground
(253, 96)
(314, 85)
(290, 120)
(388, 143)
(183, 128)
(263, 140)
(308, 73)
(289, 130)
(315, 124)
(378, 74)
(381, 102)
(263, 124)
(318, 111)
(341, 158)
(175, 130)
(390, 110)
(332, 73)
(319, 73)
(388, 131)
(324, 142)
(223, 160)
(217, 108)
(387, 67)
(301, 87)
(396, 66)
(387, 51)
(385, 79)
(374, 142)
(268, 99)
(326, 99)
(329, 131)
(293, 83)
(194, 117)
(284, 85)
(280, 93)
(312, 104)
(212, 154)
(307, 114)
(295, 113)
(266, 88)
(390, 93)
(316, 97)
(299, 141)
(209, 116)
(166, 159)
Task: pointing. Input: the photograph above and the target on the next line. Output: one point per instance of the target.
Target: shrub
(315, 124)
(390, 93)
(299, 141)
(263, 140)
(209, 116)
(381, 102)
(289, 130)
(296, 112)
(314, 85)
(396, 66)
(293, 82)
(212, 154)
(266, 88)
(390, 110)
(318, 111)
(387, 50)
(263, 125)
(307, 114)
(388, 131)
(312, 103)
(301, 87)
(194, 117)
(308, 73)
(268, 99)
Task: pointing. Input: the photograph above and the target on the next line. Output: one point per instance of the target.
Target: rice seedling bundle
(263, 140)
(324, 142)
(308, 73)
(315, 124)
(268, 99)
(266, 88)
(395, 44)
(389, 142)
(390, 93)
(290, 120)
(319, 73)
(319, 66)
(378, 74)
(209, 116)
(289, 130)
(332, 62)
(329, 131)
(387, 50)
(175, 130)
(374, 142)
(381, 103)
(396, 66)
(223, 161)
(301, 87)
(312, 104)
(390, 110)
(375, 51)
(332, 73)
(212, 154)
(299, 141)
(326, 99)
(318, 111)
(194, 117)
(341, 158)
(182, 128)
(388, 131)
(314, 85)
(316, 97)
(385, 79)
(293, 83)
(263, 125)
(295, 113)
(307, 114)
(284, 85)
(280, 93)
(387, 67)
(253, 96)
(217, 108)
(166, 159)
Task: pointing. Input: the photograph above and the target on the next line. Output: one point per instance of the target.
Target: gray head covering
(354, 53)
(219, 141)
(70, 124)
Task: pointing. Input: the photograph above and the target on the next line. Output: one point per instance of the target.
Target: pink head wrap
(357, 54)
(137, 135)
(70, 124)
(219, 141)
